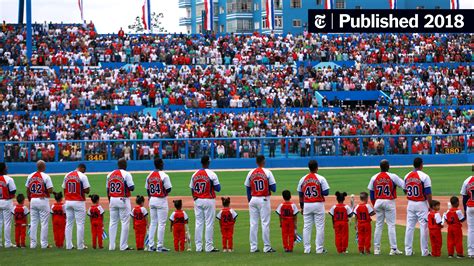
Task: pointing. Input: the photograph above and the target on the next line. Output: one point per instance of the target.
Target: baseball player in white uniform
(158, 186)
(76, 185)
(312, 188)
(467, 192)
(204, 183)
(38, 188)
(383, 192)
(119, 185)
(7, 192)
(418, 190)
(259, 184)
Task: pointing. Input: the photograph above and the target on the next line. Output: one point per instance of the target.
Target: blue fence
(238, 152)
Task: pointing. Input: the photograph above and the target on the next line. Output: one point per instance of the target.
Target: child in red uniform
(362, 212)
(227, 217)
(288, 220)
(454, 219)
(20, 214)
(178, 221)
(96, 214)
(340, 219)
(58, 211)
(139, 214)
(435, 223)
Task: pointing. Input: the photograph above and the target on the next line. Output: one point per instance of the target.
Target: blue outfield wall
(241, 163)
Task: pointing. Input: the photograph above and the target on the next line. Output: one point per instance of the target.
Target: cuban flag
(146, 14)
(147, 240)
(81, 9)
(270, 7)
(454, 4)
(298, 238)
(393, 4)
(208, 15)
(104, 235)
(328, 4)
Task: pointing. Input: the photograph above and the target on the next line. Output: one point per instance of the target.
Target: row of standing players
(259, 184)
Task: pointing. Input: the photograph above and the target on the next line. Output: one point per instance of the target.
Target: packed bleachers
(232, 71)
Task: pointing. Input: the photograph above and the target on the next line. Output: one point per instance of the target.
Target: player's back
(95, 213)
(339, 213)
(363, 213)
(434, 220)
(452, 218)
(227, 217)
(384, 187)
(20, 214)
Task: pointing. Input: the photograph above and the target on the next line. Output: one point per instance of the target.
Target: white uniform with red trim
(7, 185)
(202, 184)
(74, 184)
(468, 190)
(384, 185)
(118, 183)
(37, 185)
(312, 186)
(417, 210)
(157, 183)
(259, 181)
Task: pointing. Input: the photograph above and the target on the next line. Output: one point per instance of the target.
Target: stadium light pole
(28, 31)
(21, 10)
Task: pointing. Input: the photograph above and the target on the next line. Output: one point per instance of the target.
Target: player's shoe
(128, 248)
(224, 250)
(162, 249)
(471, 256)
(395, 252)
(213, 250)
(152, 249)
(271, 250)
(11, 246)
(376, 251)
(459, 257)
(230, 250)
(450, 256)
(255, 251)
(322, 252)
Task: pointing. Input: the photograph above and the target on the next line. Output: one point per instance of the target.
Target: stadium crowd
(179, 125)
(72, 44)
(219, 87)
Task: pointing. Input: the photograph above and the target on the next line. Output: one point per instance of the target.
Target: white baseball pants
(120, 209)
(260, 209)
(158, 217)
(385, 213)
(417, 211)
(75, 211)
(205, 211)
(6, 221)
(39, 211)
(314, 214)
(470, 231)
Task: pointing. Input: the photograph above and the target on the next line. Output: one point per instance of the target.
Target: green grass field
(446, 181)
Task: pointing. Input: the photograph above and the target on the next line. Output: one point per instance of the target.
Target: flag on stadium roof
(270, 14)
(393, 4)
(81, 9)
(454, 4)
(208, 14)
(328, 4)
(146, 19)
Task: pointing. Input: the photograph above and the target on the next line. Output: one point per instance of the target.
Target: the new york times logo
(320, 21)
(435, 21)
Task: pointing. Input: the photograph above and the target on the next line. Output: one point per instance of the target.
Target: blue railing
(232, 148)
